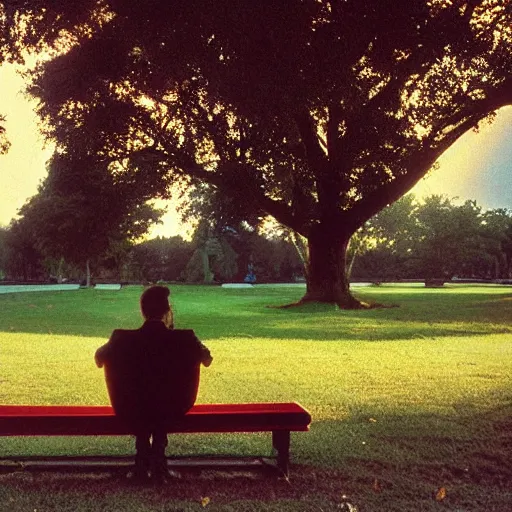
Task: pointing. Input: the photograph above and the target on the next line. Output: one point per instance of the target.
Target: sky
(478, 166)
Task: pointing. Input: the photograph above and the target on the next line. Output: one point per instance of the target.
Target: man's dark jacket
(152, 373)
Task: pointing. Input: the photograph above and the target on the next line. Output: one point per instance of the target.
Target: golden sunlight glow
(24, 166)
(464, 170)
(171, 224)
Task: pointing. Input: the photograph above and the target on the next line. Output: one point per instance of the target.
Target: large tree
(317, 112)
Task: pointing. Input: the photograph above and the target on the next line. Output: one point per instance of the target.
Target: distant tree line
(434, 240)
(212, 256)
(69, 236)
(87, 225)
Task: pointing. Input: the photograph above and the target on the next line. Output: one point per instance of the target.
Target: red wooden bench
(56, 420)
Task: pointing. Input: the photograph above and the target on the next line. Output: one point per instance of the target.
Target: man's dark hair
(154, 302)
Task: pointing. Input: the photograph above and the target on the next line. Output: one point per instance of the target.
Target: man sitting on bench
(152, 376)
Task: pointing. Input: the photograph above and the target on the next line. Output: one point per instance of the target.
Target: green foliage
(225, 264)
(160, 259)
(231, 249)
(385, 235)
(496, 234)
(228, 253)
(274, 260)
(3, 250)
(436, 239)
(445, 234)
(24, 260)
(82, 210)
(214, 258)
(198, 269)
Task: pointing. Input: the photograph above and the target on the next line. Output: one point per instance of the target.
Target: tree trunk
(87, 274)
(327, 280)
(301, 246)
(207, 273)
(59, 271)
(350, 264)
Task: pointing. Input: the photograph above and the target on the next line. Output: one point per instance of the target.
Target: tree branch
(422, 160)
(187, 166)
(329, 179)
(315, 155)
(425, 51)
(333, 137)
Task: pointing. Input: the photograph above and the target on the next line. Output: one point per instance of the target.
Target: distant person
(152, 376)
(251, 276)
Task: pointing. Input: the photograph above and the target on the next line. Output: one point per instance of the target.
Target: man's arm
(193, 347)
(102, 354)
(203, 353)
(99, 356)
(206, 357)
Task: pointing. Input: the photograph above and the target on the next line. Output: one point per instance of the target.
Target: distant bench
(27, 420)
(13, 288)
(107, 286)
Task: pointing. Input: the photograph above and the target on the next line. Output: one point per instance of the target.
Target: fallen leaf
(346, 506)
(377, 486)
(372, 420)
(205, 501)
(441, 494)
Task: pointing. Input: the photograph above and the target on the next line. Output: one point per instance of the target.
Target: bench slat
(16, 420)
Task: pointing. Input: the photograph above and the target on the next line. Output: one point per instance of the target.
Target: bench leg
(281, 442)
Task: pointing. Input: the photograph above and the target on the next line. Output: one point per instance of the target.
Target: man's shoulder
(187, 332)
(174, 335)
(120, 334)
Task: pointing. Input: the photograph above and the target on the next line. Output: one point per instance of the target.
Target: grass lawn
(409, 403)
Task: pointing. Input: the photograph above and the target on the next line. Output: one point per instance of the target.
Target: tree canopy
(317, 112)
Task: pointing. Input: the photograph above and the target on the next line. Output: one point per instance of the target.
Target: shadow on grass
(400, 467)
